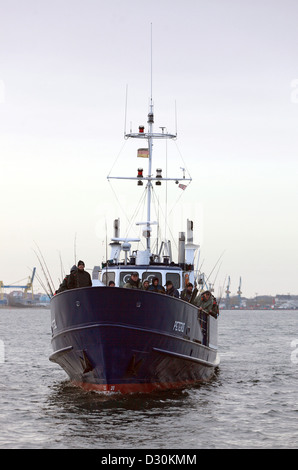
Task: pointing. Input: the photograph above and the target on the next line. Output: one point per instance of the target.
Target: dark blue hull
(126, 340)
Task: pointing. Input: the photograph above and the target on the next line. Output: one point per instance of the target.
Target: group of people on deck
(78, 277)
(135, 283)
(205, 301)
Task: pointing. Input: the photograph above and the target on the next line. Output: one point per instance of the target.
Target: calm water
(252, 402)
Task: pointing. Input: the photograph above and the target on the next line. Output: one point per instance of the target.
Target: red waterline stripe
(133, 388)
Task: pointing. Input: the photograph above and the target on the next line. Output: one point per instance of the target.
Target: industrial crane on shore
(228, 292)
(27, 287)
(239, 292)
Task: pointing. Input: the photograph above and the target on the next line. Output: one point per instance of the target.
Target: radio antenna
(176, 118)
(125, 109)
(151, 64)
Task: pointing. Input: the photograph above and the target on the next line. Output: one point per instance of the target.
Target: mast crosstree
(150, 136)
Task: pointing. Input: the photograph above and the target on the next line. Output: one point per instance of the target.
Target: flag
(144, 153)
(182, 186)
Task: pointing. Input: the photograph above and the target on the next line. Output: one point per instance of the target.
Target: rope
(125, 142)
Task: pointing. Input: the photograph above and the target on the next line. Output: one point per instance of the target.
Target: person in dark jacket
(63, 285)
(80, 278)
(133, 282)
(170, 290)
(186, 294)
(156, 287)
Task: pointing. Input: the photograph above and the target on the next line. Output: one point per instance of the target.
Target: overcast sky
(231, 67)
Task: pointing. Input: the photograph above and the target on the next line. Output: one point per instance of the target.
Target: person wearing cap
(186, 294)
(133, 282)
(156, 287)
(79, 279)
(170, 290)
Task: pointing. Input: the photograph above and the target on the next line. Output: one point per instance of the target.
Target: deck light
(158, 175)
(140, 175)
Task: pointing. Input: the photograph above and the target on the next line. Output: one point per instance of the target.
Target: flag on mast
(143, 153)
(182, 186)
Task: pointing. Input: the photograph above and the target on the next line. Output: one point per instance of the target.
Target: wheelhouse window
(124, 277)
(175, 278)
(149, 276)
(107, 277)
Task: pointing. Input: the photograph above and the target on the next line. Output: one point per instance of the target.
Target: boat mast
(149, 136)
(149, 184)
(150, 148)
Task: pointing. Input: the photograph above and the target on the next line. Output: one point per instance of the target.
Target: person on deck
(145, 284)
(194, 293)
(63, 285)
(186, 294)
(170, 290)
(207, 303)
(156, 287)
(80, 278)
(133, 282)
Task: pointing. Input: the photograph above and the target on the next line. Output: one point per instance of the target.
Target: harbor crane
(27, 287)
(228, 292)
(239, 292)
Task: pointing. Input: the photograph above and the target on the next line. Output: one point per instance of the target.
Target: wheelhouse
(121, 275)
(148, 265)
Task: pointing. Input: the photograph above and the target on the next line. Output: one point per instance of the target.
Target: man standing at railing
(79, 278)
(207, 303)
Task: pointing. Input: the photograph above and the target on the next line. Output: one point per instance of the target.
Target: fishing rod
(42, 285)
(215, 265)
(53, 285)
(75, 248)
(61, 267)
(217, 273)
(44, 273)
(196, 270)
(221, 293)
(199, 271)
(215, 277)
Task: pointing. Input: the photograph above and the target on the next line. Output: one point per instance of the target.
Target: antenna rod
(176, 132)
(151, 64)
(125, 110)
(149, 184)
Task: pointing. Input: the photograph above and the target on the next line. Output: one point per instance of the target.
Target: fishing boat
(133, 340)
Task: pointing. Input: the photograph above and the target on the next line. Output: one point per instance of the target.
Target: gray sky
(232, 68)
